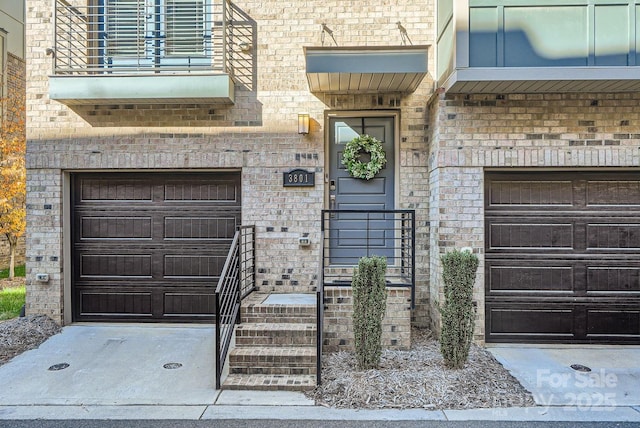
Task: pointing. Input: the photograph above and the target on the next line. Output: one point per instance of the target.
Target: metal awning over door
(371, 69)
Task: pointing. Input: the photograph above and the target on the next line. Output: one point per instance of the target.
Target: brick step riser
(306, 312)
(245, 341)
(272, 361)
(268, 387)
(277, 319)
(256, 311)
(273, 370)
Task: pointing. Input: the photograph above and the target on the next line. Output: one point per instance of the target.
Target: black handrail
(319, 332)
(236, 282)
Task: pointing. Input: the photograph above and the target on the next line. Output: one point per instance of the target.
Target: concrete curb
(305, 412)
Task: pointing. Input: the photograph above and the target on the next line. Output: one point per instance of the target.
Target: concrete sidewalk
(166, 372)
(282, 405)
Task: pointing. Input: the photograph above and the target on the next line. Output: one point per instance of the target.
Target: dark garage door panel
(562, 257)
(562, 322)
(151, 247)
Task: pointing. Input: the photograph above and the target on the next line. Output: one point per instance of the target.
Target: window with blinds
(156, 32)
(125, 28)
(185, 27)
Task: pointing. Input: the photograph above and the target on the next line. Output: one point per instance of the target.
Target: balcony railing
(141, 36)
(532, 46)
(351, 234)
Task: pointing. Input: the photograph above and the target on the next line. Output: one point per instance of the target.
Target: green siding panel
(546, 36)
(483, 37)
(146, 89)
(611, 35)
(445, 13)
(592, 40)
(445, 52)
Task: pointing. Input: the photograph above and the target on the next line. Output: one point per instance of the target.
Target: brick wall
(44, 243)
(552, 131)
(15, 80)
(338, 317)
(258, 135)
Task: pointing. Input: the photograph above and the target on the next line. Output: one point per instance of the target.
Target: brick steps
(275, 347)
(270, 382)
(254, 311)
(269, 360)
(278, 318)
(253, 334)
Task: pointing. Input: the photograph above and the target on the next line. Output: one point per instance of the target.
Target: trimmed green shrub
(458, 314)
(369, 305)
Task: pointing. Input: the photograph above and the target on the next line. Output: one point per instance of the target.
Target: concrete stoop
(275, 346)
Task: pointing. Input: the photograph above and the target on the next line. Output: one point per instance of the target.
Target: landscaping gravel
(18, 335)
(417, 378)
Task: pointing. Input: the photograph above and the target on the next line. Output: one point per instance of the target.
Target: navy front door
(354, 235)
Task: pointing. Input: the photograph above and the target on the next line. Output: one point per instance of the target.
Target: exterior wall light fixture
(303, 123)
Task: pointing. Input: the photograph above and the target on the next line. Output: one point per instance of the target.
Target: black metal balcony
(142, 51)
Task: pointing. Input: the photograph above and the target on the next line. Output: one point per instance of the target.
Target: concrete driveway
(602, 377)
(115, 364)
(173, 365)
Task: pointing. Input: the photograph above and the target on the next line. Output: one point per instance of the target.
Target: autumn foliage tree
(13, 173)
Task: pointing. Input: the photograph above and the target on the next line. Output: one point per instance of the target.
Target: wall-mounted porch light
(303, 123)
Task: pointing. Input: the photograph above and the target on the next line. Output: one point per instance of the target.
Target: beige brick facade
(338, 319)
(257, 135)
(554, 132)
(446, 144)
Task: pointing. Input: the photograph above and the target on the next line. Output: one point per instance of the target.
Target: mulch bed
(18, 335)
(418, 379)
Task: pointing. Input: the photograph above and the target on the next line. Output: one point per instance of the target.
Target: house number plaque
(299, 178)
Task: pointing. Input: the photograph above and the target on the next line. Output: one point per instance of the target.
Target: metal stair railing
(236, 282)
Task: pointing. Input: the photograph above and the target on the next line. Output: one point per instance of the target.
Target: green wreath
(351, 157)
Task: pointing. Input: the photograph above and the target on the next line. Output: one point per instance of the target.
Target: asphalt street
(242, 423)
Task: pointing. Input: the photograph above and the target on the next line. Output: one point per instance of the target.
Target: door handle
(332, 205)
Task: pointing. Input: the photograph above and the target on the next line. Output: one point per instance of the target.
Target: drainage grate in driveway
(580, 368)
(59, 366)
(172, 366)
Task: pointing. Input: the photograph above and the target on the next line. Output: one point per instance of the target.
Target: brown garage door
(150, 246)
(562, 257)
